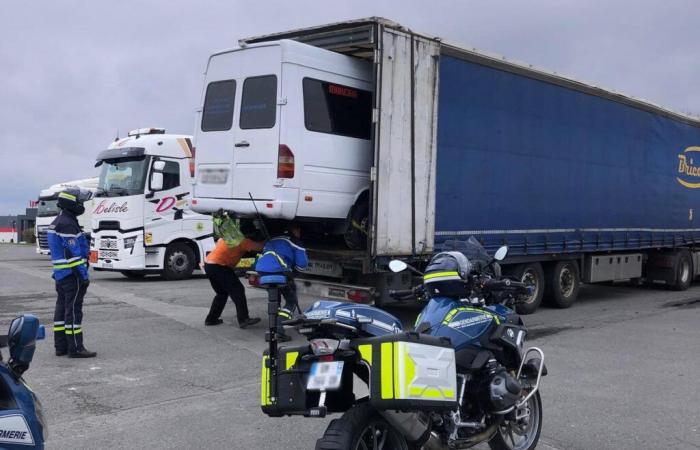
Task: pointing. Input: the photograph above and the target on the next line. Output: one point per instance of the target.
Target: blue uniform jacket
(281, 255)
(69, 247)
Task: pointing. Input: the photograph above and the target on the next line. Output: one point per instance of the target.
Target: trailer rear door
(405, 144)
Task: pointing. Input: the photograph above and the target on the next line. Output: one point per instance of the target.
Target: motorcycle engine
(503, 391)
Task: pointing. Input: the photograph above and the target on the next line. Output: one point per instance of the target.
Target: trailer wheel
(179, 261)
(684, 271)
(562, 284)
(533, 275)
(357, 225)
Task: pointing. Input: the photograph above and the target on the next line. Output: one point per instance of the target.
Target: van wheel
(179, 261)
(562, 284)
(532, 275)
(357, 225)
(684, 271)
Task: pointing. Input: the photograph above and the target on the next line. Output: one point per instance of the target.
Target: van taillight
(285, 162)
(194, 150)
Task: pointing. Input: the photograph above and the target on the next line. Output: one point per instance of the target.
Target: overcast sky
(73, 73)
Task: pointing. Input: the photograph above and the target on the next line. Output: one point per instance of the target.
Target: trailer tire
(357, 224)
(562, 284)
(179, 261)
(684, 271)
(530, 273)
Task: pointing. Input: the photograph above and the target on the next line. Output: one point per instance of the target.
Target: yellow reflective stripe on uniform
(59, 328)
(67, 196)
(290, 359)
(279, 258)
(69, 265)
(284, 314)
(366, 352)
(387, 360)
(440, 274)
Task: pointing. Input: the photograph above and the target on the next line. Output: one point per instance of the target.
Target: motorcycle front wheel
(362, 428)
(520, 434)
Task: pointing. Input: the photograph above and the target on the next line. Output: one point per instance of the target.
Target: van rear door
(238, 135)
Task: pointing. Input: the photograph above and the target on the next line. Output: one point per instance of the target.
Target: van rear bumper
(279, 208)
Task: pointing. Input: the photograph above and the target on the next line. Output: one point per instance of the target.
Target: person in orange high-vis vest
(219, 268)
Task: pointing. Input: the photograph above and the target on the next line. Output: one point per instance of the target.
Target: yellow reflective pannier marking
(450, 315)
(291, 358)
(366, 352)
(265, 383)
(387, 370)
(440, 274)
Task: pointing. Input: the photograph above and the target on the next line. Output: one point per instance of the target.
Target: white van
(288, 125)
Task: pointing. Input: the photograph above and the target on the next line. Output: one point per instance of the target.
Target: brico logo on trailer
(687, 169)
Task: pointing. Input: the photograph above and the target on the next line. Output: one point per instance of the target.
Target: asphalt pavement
(622, 367)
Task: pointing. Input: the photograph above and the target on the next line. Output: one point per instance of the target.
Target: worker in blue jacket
(70, 252)
(282, 255)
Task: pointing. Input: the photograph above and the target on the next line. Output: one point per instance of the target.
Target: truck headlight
(129, 242)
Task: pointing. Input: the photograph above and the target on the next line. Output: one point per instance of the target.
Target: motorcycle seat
(268, 281)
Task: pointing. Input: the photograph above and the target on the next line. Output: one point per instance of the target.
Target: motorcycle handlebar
(504, 283)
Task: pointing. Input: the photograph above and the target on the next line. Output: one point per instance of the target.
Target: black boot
(83, 353)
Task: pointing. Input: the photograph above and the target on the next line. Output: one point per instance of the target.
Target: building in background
(13, 228)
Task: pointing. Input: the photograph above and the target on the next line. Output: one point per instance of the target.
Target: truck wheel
(533, 275)
(684, 271)
(562, 284)
(134, 274)
(179, 261)
(356, 228)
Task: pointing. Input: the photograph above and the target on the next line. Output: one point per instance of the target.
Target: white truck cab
(47, 210)
(141, 220)
(288, 126)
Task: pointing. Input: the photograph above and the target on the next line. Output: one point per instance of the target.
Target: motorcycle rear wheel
(512, 435)
(362, 428)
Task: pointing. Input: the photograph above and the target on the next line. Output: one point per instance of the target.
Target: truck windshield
(120, 177)
(47, 208)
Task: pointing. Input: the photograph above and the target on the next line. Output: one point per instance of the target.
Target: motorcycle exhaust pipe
(415, 426)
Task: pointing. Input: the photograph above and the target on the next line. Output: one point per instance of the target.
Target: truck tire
(133, 274)
(532, 274)
(358, 428)
(179, 261)
(684, 271)
(562, 284)
(357, 224)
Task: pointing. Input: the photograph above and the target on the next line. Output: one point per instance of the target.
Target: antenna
(267, 235)
(117, 138)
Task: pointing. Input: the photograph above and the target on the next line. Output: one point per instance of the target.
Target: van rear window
(259, 102)
(217, 114)
(337, 109)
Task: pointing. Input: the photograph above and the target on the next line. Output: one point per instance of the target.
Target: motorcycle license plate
(325, 376)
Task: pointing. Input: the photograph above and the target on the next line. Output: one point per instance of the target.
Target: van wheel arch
(357, 223)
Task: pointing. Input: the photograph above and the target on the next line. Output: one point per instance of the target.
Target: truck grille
(108, 254)
(43, 238)
(109, 244)
(109, 224)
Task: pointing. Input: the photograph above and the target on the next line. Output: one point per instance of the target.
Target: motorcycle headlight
(129, 242)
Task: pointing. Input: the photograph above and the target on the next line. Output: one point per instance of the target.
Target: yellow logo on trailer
(687, 169)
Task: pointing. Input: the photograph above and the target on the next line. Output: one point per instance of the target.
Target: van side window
(171, 175)
(217, 114)
(337, 109)
(259, 102)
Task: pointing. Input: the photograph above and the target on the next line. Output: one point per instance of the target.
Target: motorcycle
(462, 377)
(22, 423)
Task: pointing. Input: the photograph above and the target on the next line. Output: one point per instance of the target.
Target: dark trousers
(68, 316)
(226, 284)
(291, 304)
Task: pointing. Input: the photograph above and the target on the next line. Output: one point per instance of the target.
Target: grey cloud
(73, 72)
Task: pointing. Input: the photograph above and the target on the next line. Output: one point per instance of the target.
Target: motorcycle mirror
(501, 253)
(397, 266)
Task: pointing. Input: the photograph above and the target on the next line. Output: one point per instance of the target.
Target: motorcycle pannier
(410, 371)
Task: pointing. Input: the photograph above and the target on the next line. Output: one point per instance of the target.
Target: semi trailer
(417, 144)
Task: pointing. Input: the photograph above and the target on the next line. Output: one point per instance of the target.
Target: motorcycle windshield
(471, 248)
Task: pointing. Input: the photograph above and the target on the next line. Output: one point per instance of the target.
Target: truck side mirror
(156, 180)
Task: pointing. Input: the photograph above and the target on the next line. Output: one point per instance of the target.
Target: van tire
(356, 228)
(562, 284)
(179, 261)
(530, 273)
